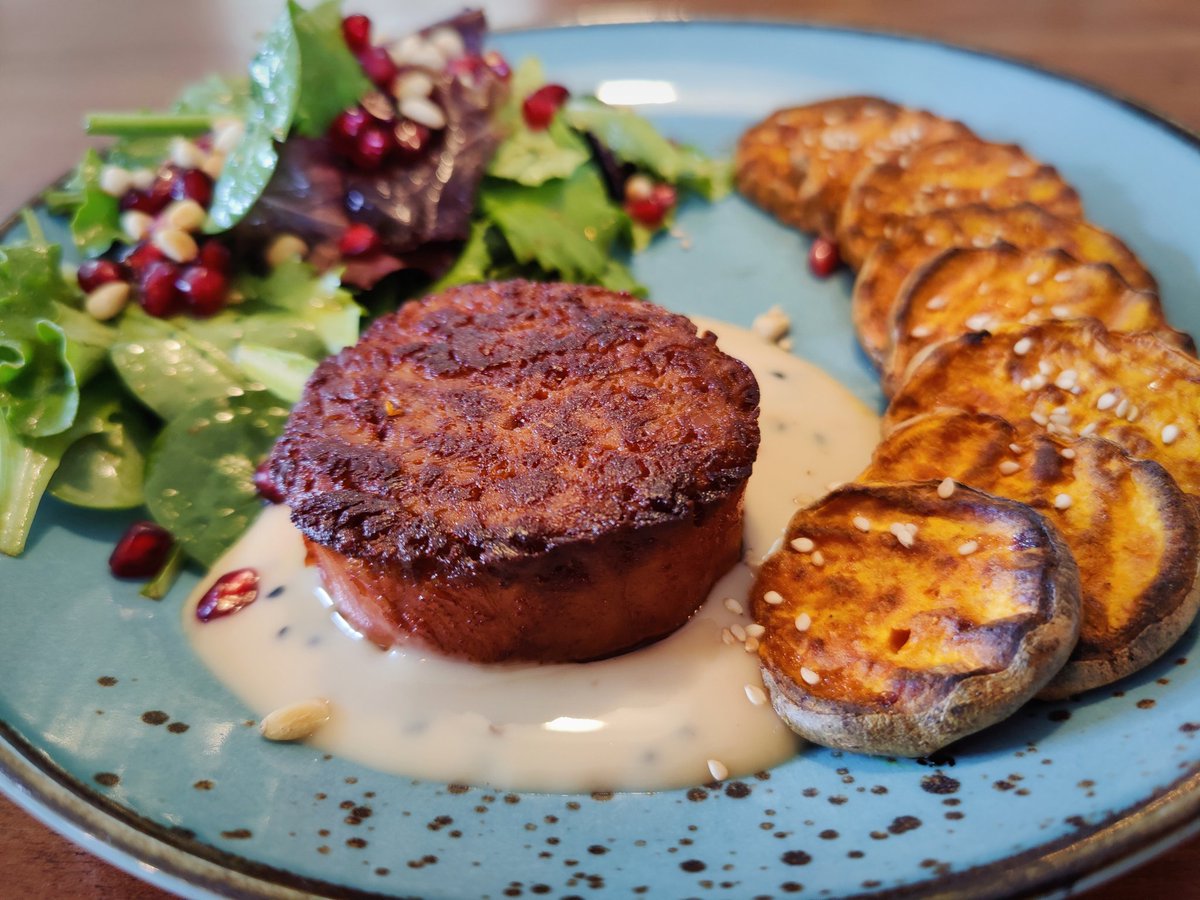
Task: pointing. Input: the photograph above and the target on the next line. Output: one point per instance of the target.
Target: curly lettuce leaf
(317, 298)
(535, 157)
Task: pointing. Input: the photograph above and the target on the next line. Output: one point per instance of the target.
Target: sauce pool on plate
(647, 720)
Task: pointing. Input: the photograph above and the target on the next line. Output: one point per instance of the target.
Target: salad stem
(157, 589)
(131, 125)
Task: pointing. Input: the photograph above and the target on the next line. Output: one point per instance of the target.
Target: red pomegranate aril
(372, 147)
(540, 107)
(411, 139)
(498, 64)
(204, 290)
(359, 240)
(232, 591)
(215, 255)
(141, 551)
(192, 184)
(347, 127)
(265, 484)
(356, 30)
(379, 67)
(646, 212)
(95, 272)
(137, 201)
(159, 296)
(141, 257)
(823, 257)
(162, 191)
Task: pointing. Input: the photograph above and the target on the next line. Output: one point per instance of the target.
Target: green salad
(230, 243)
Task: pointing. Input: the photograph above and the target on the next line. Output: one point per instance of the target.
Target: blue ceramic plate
(113, 733)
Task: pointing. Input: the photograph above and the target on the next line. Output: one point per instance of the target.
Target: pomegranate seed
(162, 191)
(95, 272)
(411, 139)
(139, 259)
(192, 184)
(540, 106)
(347, 127)
(650, 209)
(138, 201)
(357, 32)
(265, 484)
(379, 67)
(203, 289)
(359, 240)
(823, 258)
(468, 67)
(498, 64)
(141, 551)
(372, 147)
(215, 255)
(159, 296)
(231, 592)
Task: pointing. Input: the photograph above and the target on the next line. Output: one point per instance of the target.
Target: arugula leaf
(282, 372)
(274, 93)
(39, 390)
(534, 157)
(634, 139)
(200, 475)
(330, 77)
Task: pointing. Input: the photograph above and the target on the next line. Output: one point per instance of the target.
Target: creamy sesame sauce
(648, 720)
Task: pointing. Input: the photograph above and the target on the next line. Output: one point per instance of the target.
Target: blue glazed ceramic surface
(112, 731)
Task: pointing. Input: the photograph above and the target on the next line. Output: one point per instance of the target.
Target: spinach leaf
(282, 372)
(199, 479)
(330, 77)
(274, 92)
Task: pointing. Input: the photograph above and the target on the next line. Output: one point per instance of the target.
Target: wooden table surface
(59, 59)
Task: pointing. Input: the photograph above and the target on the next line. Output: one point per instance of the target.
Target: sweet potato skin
(913, 647)
(519, 440)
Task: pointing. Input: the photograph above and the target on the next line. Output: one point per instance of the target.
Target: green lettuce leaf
(281, 372)
(534, 157)
(316, 298)
(330, 77)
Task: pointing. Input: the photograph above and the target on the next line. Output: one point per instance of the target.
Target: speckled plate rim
(1122, 841)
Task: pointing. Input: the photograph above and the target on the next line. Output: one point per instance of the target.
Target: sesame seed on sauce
(755, 630)
(1045, 367)
(1088, 429)
(1062, 501)
(1106, 400)
(772, 598)
(1015, 448)
(817, 558)
(1008, 467)
(936, 303)
(733, 606)
(1066, 379)
(1060, 312)
(946, 488)
(1039, 418)
(1170, 433)
(921, 331)
(1035, 278)
(1023, 346)
(756, 695)
(750, 644)
(1132, 415)
(967, 548)
(809, 676)
(902, 534)
(718, 770)
(862, 523)
(1121, 409)
(1067, 453)
(803, 545)
(803, 622)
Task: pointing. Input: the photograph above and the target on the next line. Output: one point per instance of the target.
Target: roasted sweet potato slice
(798, 163)
(891, 262)
(1134, 534)
(953, 173)
(1069, 378)
(898, 620)
(982, 289)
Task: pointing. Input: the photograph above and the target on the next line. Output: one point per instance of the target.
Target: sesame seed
(803, 622)
(718, 770)
(751, 644)
(1087, 429)
(936, 303)
(862, 523)
(968, 548)
(733, 606)
(1066, 379)
(921, 331)
(1067, 453)
(1064, 276)
(1170, 433)
(1122, 408)
(834, 485)
(809, 676)
(1106, 400)
(1015, 448)
(772, 598)
(1037, 300)
(1060, 312)
(803, 545)
(738, 632)
(1008, 467)
(755, 630)
(1062, 501)
(901, 534)
(1039, 418)
(727, 637)
(946, 488)
(979, 322)
(1045, 366)
(1132, 415)
(1023, 346)
(1035, 278)
(818, 558)
(1026, 384)
(756, 695)
(1037, 382)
